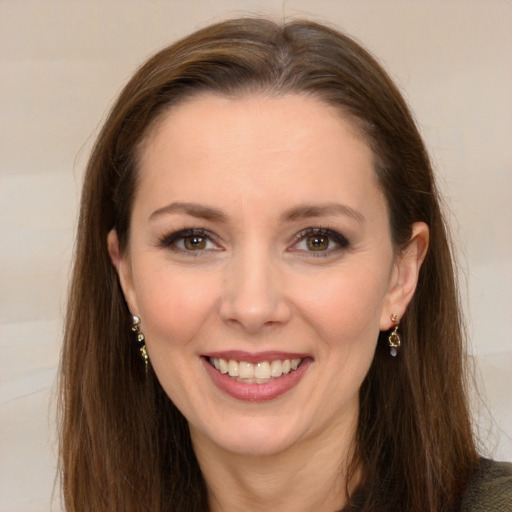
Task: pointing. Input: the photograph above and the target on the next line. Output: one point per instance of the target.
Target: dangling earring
(394, 338)
(141, 341)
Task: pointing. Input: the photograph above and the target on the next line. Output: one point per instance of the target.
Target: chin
(262, 446)
(249, 438)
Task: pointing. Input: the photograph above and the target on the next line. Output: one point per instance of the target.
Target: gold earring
(141, 340)
(394, 338)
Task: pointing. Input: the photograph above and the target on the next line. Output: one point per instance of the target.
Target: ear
(123, 268)
(405, 275)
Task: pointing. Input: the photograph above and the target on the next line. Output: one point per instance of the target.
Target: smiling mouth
(258, 373)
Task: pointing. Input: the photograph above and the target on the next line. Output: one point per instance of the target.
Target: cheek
(174, 305)
(347, 305)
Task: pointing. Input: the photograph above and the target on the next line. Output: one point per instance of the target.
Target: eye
(319, 240)
(194, 242)
(190, 240)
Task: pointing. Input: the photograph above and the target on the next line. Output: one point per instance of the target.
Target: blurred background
(63, 62)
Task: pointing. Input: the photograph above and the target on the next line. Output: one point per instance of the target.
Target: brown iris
(317, 242)
(194, 242)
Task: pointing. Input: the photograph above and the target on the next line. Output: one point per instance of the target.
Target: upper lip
(255, 357)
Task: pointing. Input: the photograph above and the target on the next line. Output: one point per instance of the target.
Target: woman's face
(261, 264)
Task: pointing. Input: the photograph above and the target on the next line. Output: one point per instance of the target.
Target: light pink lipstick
(253, 391)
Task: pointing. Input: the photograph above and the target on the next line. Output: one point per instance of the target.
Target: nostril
(255, 323)
(253, 297)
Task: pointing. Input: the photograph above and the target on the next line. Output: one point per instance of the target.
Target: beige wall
(63, 62)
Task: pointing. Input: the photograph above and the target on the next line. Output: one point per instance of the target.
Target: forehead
(206, 110)
(294, 145)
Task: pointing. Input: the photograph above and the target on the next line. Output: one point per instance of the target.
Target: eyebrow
(297, 213)
(321, 210)
(193, 209)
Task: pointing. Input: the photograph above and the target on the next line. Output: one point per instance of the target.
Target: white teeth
(261, 372)
(233, 368)
(223, 366)
(246, 370)
(276, 368)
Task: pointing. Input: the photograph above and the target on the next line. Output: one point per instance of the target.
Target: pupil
(318, 242)
(195, 242)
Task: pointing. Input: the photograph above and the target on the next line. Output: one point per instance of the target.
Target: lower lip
(256, 392)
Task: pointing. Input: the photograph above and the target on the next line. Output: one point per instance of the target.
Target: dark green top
(489, 489)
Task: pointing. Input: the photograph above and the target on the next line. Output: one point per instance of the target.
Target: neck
(310, 475)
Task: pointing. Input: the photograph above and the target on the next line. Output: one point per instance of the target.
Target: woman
(263, 312)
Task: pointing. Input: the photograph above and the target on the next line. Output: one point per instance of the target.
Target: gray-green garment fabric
(489, 489)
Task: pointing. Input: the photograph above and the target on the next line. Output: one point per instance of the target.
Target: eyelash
(171, 241)
(338, 239)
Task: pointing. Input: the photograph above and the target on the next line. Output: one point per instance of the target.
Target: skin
(258, 285)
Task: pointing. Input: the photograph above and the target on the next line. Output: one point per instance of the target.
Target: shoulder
(489, 489)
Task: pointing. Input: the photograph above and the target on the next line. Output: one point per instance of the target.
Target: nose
(254, 295)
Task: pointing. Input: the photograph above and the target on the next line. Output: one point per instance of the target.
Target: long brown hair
(124, 445)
